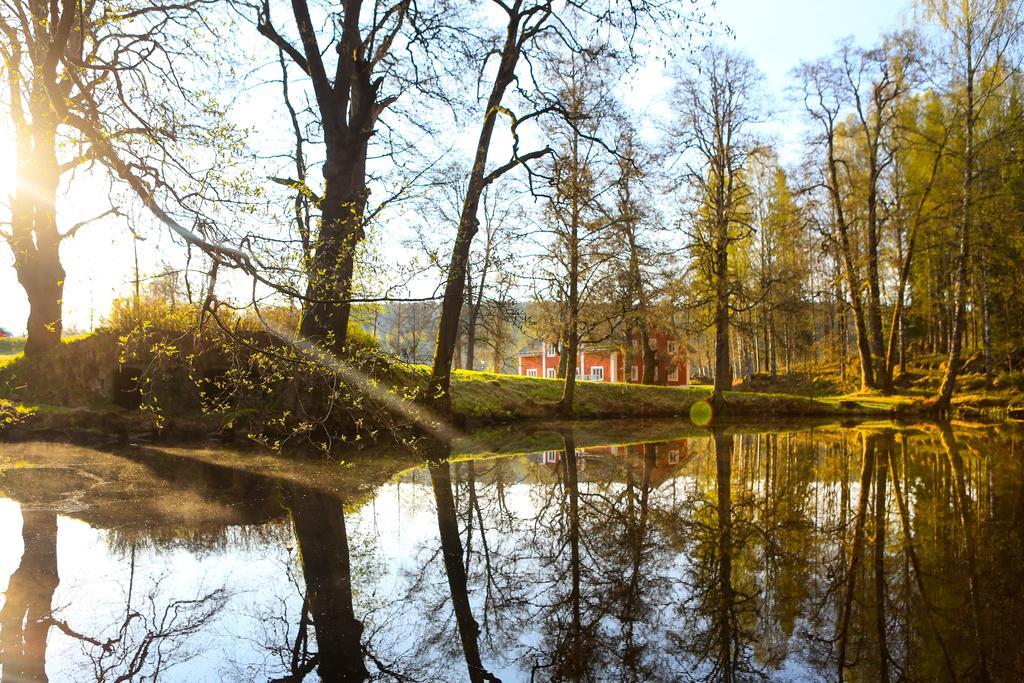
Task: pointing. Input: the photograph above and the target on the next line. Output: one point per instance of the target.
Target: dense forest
(450, 180)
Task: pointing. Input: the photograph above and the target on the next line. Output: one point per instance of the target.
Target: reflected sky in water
(876, 553)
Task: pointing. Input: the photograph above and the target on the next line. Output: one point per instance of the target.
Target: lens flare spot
(700, 413)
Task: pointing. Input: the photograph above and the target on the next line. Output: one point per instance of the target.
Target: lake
(634, 551)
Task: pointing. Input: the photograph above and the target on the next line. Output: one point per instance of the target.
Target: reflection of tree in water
(763, 553)
(327, 635)
(716, 619)
(149, 639)
(467, 591)
(771, 551)
(322, 540)
(928, 586)
(455, 568)
(25, 618)
(872, 555)
(602, 585)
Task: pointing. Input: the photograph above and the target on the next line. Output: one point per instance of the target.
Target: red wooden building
(610, 363)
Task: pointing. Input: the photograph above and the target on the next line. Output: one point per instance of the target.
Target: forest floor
(912, 390)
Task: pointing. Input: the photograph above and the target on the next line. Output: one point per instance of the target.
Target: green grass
(488, 396)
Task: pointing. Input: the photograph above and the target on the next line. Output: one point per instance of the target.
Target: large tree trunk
(327, 307)
(34, 237)
(41, 274)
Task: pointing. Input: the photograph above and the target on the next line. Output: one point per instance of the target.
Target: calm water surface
(644, 553)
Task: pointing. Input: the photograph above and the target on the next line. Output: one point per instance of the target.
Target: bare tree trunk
(945, 396)
(723, 367)
(563, 358)
(565, 406)
(896, 328)
(471, 337)
(327, 308)
(874, 288)
(469, 224)
(986, 319)
(867, 375)
(648, 356)
(853, 283)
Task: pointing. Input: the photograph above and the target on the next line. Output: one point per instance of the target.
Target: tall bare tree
(375, 43)
(822, 88)
(876, 81)
(530, 28)
(982, 37)
(717, 97)
(81, 81)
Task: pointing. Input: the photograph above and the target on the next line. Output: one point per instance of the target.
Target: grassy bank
(483, 396)
(10, 346)
(72, 392)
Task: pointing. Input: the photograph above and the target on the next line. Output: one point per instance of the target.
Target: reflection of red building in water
(610, 463)
(609, 363)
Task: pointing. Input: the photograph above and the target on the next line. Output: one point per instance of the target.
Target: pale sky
(777, 34)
